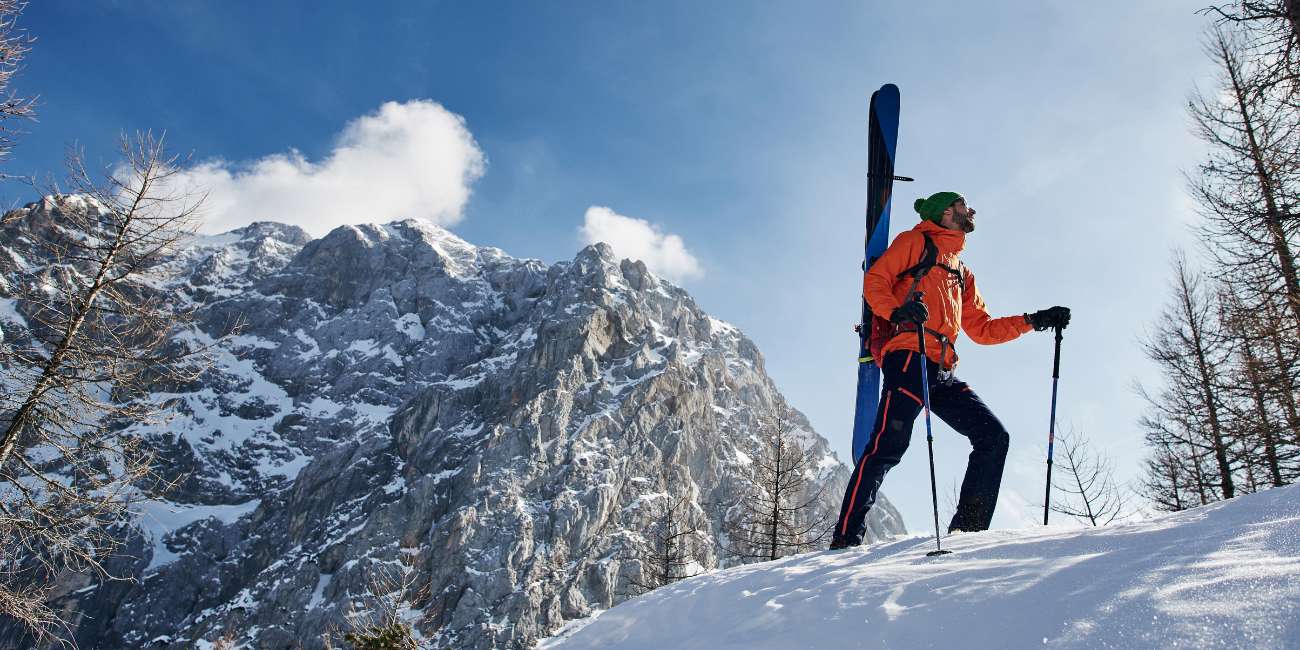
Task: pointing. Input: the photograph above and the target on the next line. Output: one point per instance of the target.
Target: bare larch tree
(378, 618)
(1271, 38)
(1262, 387)
(780, 513)
(1165, 479)
(1184, 417)
(671, 543)
(1248, 189)
(14, 46)
(84, 275)
(1086, 481)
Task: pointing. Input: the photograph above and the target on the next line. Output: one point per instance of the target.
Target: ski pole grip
(1056, 358)
(916, 297)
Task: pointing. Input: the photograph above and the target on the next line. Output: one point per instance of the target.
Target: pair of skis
(882, 143)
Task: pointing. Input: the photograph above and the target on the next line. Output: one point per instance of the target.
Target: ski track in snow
(1225, 575)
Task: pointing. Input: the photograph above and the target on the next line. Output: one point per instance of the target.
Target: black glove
(912, 311)
(1049, 318)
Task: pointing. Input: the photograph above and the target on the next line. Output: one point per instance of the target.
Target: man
(949, 301)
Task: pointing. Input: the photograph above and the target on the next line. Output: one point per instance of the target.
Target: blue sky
(739, 127)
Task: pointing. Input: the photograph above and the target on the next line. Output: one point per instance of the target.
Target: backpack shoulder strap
(929, 257)
(961, 273)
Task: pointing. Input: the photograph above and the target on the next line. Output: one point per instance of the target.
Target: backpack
(883, 329)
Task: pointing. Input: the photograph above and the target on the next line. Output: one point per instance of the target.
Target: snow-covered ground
(1221, 576)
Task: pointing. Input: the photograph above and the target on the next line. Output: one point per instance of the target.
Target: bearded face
(959, 217)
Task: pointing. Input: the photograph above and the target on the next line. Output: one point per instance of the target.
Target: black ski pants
(900, 402)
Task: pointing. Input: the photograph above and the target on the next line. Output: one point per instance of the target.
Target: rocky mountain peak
(261, 230)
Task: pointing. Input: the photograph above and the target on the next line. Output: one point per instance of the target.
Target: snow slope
(1221, 576)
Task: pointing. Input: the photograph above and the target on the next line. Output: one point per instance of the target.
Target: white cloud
(639, 239)
(411, 159)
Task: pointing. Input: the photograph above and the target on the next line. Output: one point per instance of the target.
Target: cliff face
(398, 400)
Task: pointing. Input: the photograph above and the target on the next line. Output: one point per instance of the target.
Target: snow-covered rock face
(392, 396)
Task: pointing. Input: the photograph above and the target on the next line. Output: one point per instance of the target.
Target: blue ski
(883, 139)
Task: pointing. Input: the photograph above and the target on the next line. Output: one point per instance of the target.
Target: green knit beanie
(931, 208)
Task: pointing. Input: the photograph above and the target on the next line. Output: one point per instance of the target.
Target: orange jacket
(950, 308)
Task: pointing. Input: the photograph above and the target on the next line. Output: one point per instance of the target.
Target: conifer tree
(1184, 420)
(779, 515)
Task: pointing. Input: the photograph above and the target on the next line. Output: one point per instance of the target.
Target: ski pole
(929, 433)
(1051, 427)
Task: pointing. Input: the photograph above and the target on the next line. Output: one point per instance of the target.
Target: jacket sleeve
(878, 283)
(979, 326)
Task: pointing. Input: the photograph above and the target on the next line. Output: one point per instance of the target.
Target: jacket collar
(948, 241)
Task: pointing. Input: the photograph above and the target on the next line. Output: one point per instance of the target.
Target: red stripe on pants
(884, 417)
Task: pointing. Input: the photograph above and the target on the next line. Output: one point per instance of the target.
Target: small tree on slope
(779, 515)
(670, 550)
(1185, 418)
(1086, 481)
